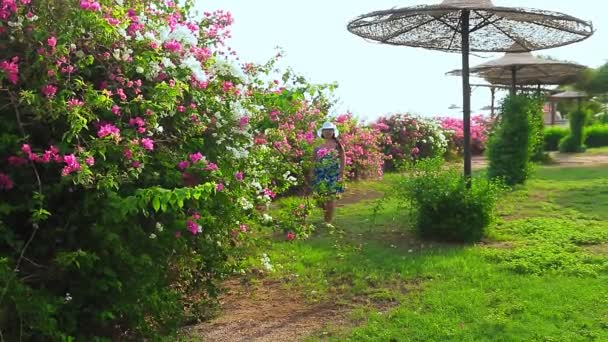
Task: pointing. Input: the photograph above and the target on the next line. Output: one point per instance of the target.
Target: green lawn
(599, 150)
(542, 275)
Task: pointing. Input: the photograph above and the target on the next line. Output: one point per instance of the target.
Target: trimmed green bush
(552, 137)
(573, 143)
(596, 136)
(537, 121)
(512, 142)
(444, 208)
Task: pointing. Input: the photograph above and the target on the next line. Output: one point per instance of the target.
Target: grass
(599, 150)
(536, 279)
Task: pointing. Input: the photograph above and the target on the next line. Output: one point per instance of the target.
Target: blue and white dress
(327, 173)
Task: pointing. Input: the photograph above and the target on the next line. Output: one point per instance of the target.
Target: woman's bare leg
(329, 211)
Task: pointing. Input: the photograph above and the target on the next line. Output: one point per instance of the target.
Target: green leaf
(156, 203)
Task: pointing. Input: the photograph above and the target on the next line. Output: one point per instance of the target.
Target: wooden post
(513, 80)
(466, 96)
(493, 92)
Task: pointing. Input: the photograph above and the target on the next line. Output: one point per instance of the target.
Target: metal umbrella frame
(470, 25)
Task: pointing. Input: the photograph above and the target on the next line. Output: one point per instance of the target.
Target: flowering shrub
(363, 148)
(289, 113)
(293, 218)
(453, 128)
(411, 138)
(130, 164)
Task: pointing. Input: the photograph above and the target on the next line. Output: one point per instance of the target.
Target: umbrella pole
(466, 97)
(493, 93)
(513, 80)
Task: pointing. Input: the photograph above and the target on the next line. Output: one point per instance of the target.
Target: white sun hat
(328, 125)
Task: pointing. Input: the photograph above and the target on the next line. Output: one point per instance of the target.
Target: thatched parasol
(523, 68)
(470, 25)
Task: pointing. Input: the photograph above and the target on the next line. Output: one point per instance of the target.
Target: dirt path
(356, 196)
(560, 160)
(266, 313)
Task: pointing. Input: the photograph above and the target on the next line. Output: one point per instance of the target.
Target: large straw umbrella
(470, 25)
(523, 68)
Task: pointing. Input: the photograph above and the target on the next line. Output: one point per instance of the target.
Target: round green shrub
(445, 209)
(573, 143)
(552, 137)
(596, 136)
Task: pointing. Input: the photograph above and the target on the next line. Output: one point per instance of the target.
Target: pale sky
(374, 79)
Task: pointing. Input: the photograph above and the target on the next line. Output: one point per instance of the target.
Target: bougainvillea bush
(362, 147)
(129, 166)
(410, 138)
(453, 128)
(287, 121)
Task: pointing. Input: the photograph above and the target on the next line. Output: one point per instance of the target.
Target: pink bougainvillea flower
(116, 110)
(5, 182)
(290, 236)
(219, 187)
(49, 90)
(239, 176)
(244, 121)
(137, 122)
(16, 161)
(52, 42)
(11, 69)
(196, 157)
(183, 165)
(212, 167)
(226, 86)
(127, 153)
(90, 5)
(72, 164)
(322, 152)
(75, 103)
(269, 193)
(173, 46)
(25, 148)
(147, 143)
(192, 227)
(90, 161)
(113, 21)
(108, 130)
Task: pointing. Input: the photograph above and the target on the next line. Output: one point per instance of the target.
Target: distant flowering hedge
(480, 129)
(363, 148)
(411, 137)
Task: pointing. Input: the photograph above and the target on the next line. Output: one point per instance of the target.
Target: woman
(329, 162)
